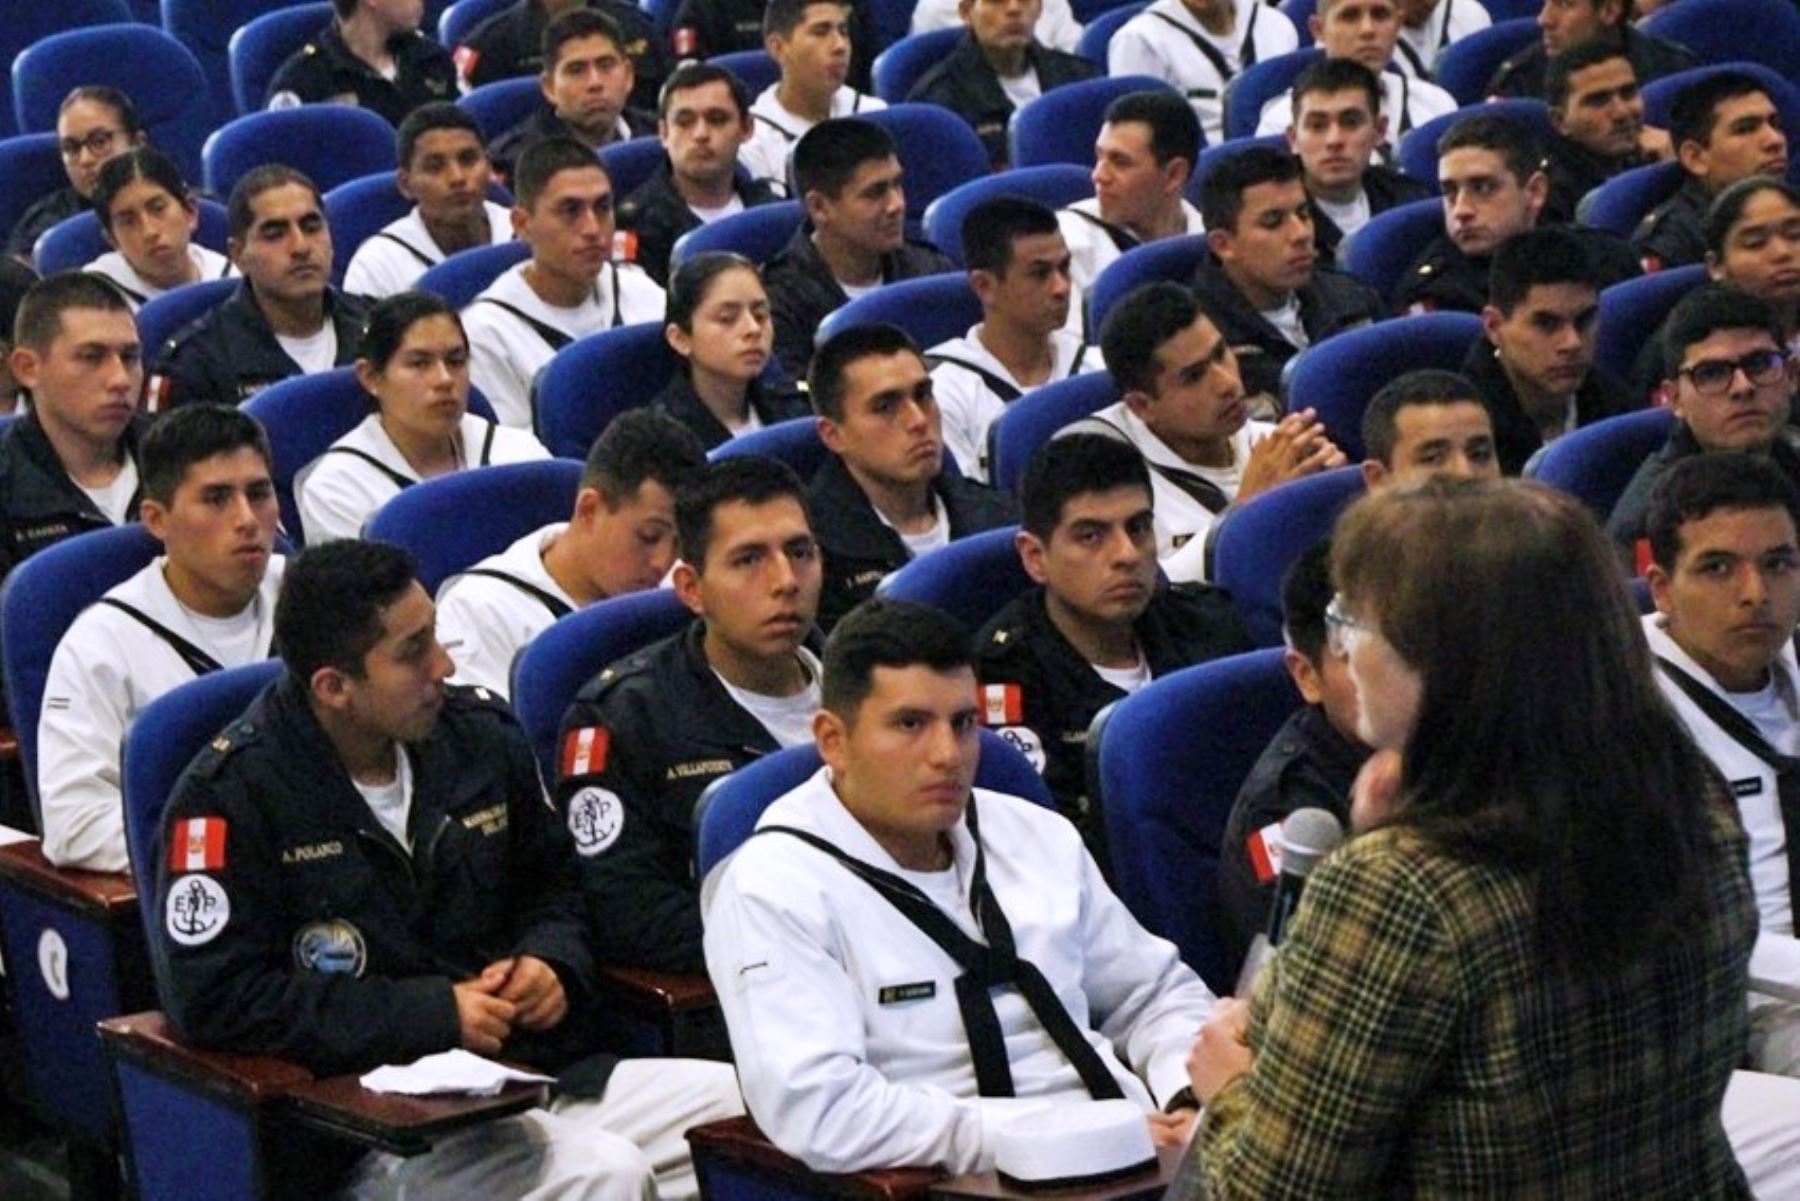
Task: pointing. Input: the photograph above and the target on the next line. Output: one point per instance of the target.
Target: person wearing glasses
(93, 125)
(1730, 385)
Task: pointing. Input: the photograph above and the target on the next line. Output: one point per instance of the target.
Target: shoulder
(1194, 605)
(638, 674)
(1340, 288)
(477, 708)
(425, 52)
(980, 506)
(1007, 637)
(1061, 65)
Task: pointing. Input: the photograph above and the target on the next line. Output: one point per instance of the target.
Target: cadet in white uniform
(1056, 27)
(149, 216)
(1171, 41)
(1367, 31)
(1444, 22)
(570, 286)
(207, 603)
(810, 42)
(853, 1042)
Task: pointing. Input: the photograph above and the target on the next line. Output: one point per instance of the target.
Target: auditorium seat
(1253, 543)
(971, 579)
(1062, 125)
(756, 233)
(32, 21)
(1339, 376)
(451, 523)
(259, 48)
(931, 308)
(1171, 259)
(328, 143)
(1033, 419)
(1052, 185)
(594, 379)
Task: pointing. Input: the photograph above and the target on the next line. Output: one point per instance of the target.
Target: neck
(705, 193)
(1731, 679)
(1027, 353)
(1006, 63)
(852, 264)
(291, 318)
(1335, 193)
(1169, 220)
(1215, 18)
(603, 133)
(366, 37)
(368, 757)
(724, 397)
(563, 560)
(555, 288)
(1261, 297)
(202, 597)
(1548, 413)
(89, 464)
(810, 102)
(428, 454)
(465, 234)
(556, 8)
(1101, 643)
(781, 676)
(1199, 452)
(907, 506)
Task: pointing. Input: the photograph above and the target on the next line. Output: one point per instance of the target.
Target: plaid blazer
(1408, 1044)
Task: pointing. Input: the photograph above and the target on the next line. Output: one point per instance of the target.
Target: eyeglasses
(1342, 630)
(1712, 377)
(97, 142)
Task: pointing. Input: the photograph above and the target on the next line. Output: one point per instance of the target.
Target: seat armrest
(736, 1144)
(657, 994)
(104, 894)
(148, 1039)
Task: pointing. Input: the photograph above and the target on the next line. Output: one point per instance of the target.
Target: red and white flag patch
(465, 58)
(197, 845)
(1264, 846)
(1002, 705)
(584, 751)
(156, 394)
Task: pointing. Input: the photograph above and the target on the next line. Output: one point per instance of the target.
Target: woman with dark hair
(150, 216)
(93, 125)
(1753, 244)
(415, 367)
(1528, 977)
(719, 323)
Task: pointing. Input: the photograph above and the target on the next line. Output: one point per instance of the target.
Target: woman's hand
(1222, 1052)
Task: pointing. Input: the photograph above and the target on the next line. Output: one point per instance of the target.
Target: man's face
(703, 131)
(1566, 24)
(448, 175)
(1762, 249)
(1335, 135)
(870, 212)
(816, 55)
(570, 227)
(1734, 596)
(1548, 339)
(891, 430)
(1746, 140)
(1742, 416)
(401, 690)
(1199, 394)
(89, 133)
(1127, 181)
(1032, 291)
(1325, 682)
(632, 543)
(88, 380)
(1271, 245)
(589, 84)
(1604, 112)
(1484, 203)
(1437, 441)
(1363, 30)
(1100, 560)
(218, 528)
(152, 229)
(759, 589)
(1002, 25)
(286, 252)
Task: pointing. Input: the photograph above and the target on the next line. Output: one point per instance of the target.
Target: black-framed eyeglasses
(97, 142)
(1712, 377)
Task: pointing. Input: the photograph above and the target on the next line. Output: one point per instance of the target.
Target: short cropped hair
(328, 613)
(689, 76)
(1329, 75)
(1700, 485)
(1696, 107)
(240, 206)
(1547, 255)
(782, 17)
(1579, 58)
(574, 24)
(40, 313)
(1137, 328)
(1222, 190)
(640, 445)
(122, 170)
(428, 118)
(832, 361)
(1174, 129)
(749, 479)
(887, 633)
(392, 316)
(543, 161)
(1429, 387)
(1728, 208)
(828, 154)
(1706, 311)
(192, 434)
(1305, 592)
(991, 227)
(1512, 140)
(1064, 468)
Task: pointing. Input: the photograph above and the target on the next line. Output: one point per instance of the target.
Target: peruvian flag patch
(1265, 852)
(584, 751)
(1002, 705)
(197, 845)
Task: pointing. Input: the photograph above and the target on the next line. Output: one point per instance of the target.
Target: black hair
(640, 445)
(328, 613)
(1512, 140)
(1576, 59)
(1064, 468)
(828, 154)
(544, 160)
(1305, 592)
(113, 98)
(1138, 326)
(782, 17)
(240, 206)
(1538, 257)
(1707, 310)
(1696, 107)
(393, 315)
(748, 479)
(192, 434)
(691, 75)
(691, 281)
(825, 381)
(40, 312)
(1728, 208)
(1696, 487)
(1222, 190)
(990, 228)
(579, 23)
(428, 118)
(887, 633)
(1428, 387)
(1330, 75)
(1174, 129)
(122, 170)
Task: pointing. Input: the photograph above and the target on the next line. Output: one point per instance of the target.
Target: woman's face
(151, 228)
(733, 335)
(423, 389)
(90, 133)
(1387, 688)
(1762, 249)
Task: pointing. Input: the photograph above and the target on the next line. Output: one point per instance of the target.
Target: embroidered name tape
(894, 994)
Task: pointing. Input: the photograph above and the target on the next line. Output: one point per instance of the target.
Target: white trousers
(1762, 1120)
(626, 1146)
(1774, 1035)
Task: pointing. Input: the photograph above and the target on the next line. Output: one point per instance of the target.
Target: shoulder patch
(583, 751)
(1001, 705)
(231, 740)
(196, 910)
(596, 819)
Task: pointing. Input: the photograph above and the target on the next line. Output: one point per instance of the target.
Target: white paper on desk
(459, 1072)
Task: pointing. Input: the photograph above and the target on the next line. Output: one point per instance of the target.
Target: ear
(1715, 270)
(679, 340)
(1692, 156)
(1138, 402)
(25, 364)
(234, 250)
(984, 284)
(402, 184)
(154, 518)
(829, 735)
(1558, 119)
(1374, 478)
(1490, 322)
(588, 503)
(331, 688)
(964, 8)
(1175, 175)
(547, 86)
(1290, 133)
(1031, 555)
(193, 213)
(1381, 128)
(1660, 586)
(521, 222)
(1304, 675)
(1219, 242)
(367, 375)
(816, 207)
(1537, 190)
(1314, 25)
(831, 435)
(686, 582)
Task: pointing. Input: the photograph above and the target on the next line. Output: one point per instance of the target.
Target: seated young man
(1019, 270)
(1099, 625)
(1566, 24)
(1724, 128)
(510, 44)
(853, 239)
(372, 55)
(883, 497)
(1184, 410)
(444, 171)
(839, 1069)
(361, 870)
(1338, 123)
(587, 82)
(704, 29)
(1427, 425)
(207, 602)
(1261, 284)
(647, 735)
(1056, 25)
(811, 42)
(570, 287)
(1428, 27)
(1597, 126)
(997, 67)
(1366, 31)
(620, 538)
(704, 124)
(1199, 46)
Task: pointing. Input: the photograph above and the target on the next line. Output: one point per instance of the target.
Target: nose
(1753, 586)
(1123, 549)
(122, 376)
(442, 666)
(783, 580)
(944, 747)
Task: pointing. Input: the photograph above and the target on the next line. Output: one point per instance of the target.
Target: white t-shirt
(788, 719)
(1771, 710)
(1286, 320)
(235, 639)
(856, 291)
(314, 354)
(925, 541)
(1021, 89)
(1125, 679)
(708, 216)
(765, 155)
(391, 803)
(114, 499)
(1347, 217)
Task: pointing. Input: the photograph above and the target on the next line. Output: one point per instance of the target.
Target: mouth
(1234, 413)
(945, 792)
(1302, 262)
(1126, 591)
(786, 624)
(924, 451)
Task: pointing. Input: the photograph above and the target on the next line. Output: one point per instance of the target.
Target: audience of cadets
(372, 55)
(362, 870)
(284, 320)
(996, 67)
(1260, 284)
(1727, 381)
(70, 464)
(1366, 31)
(1199, 46)
(414, 366)
(886, 493)
(510, 44)
(619, 539)
(1597, 126)
(704, 28)
(890, 851)
(1337, 126)
(1566, 24)
(704, 125)
(1723, 128)
(1097, 625)
(718, 322)
(1726, 582)
(15, 280)
(444, 171)
(92, 125)
(1184, 410)
(1491, 176)
(811, 42)
(1057, 26)
(853, 239)
(149, 217)
(587, 83)
(647, 735)
(206, 603)
(1427, 27)
(1534, 365)
(1145, 155)
(1019, 270)
(571, 286)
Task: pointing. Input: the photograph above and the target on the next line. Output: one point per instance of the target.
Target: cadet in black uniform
(1098, 625)
(93, 125)
(704, 28)
(1567, 24)
(510, 44)
(368, 56)
(285, 319)
(1597, 123)
(647, 735)
(587, 83)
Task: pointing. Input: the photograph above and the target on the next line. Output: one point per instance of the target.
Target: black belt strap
(1212, 54)
(1210, 496)
(398, 479)
(1124, 239)
(403, 244)
(993, 383)
(558, 608)
(984, 969)
(554, 337)
(198, 661)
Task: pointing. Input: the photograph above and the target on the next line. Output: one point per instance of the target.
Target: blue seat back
(205, 28)
(257, 50)
(1596, 462)
(460, 19)
(1513, 10)
(1619, 204)
(500, 105)
(1260, 83)
(905, 62)
(1297, 11)
(1210, 156)
(1659, 94)
(26, 24)
(329, 143)
(755, 69)
(1380, 252)
(463, 276)
(1053, 185)
(1253, 544)
(1061, 125)
(756, 233)
(1165, 793)
(594, 379)
(938, 150)
(1468, 64)
(1417, 152)
(794, 442)
(630, 163)
(1632, 311)
(1171, 259)
(891, 19)
(1097, 37)
(361, 208)
(971, 579)
(30, 168)
(451, 523)
(1033, 419)
(162, 317)
(932, 308)
(1723, 31)
(72, 244)
(1339, 375)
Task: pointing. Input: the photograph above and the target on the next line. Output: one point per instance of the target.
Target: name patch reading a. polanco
(894, 994)
(313, 852)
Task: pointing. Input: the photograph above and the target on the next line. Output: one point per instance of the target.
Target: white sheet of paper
(457, 1072)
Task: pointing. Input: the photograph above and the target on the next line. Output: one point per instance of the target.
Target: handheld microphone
(1307, 836)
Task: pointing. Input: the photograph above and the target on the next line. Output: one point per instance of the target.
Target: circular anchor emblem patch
(333, 948)
(596, 815)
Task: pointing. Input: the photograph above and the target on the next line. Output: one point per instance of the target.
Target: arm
(80, 731)
(546, 900)
(331, 507)
(493, 371)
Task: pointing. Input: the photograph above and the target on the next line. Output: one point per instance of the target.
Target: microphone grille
(1307, 836)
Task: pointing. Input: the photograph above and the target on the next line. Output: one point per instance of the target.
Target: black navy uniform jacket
(1524, 74)
(1669, 235)
(1385, 187)
(58, 206)
(704, 28)
(510, 44)
(1330, 303)
(324, 71)
(1308, 765)
(1516, 436)
(504, 151)
(1059, 692)
(771, 402)
(1444, 279)
(1627, 523)
(967, 85)
(311, 933)
(861, 549)
(231, 354)
(1574, 171)
(39, 504)
(657, 214)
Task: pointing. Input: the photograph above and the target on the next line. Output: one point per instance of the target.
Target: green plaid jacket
(1408, 1045)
